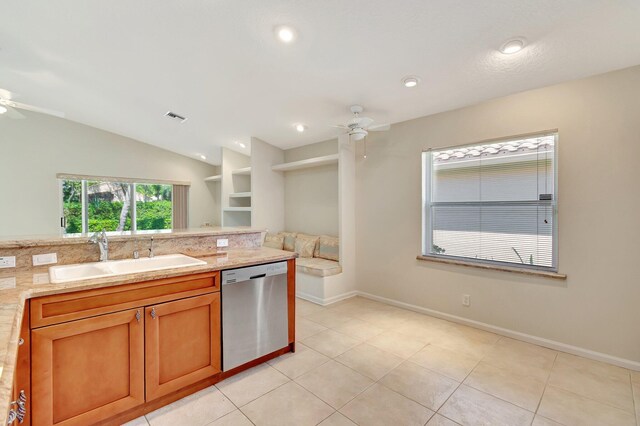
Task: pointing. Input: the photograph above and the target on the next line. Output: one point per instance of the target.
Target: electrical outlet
(7, 261)
(45, 259)
(466, 300)
(222, 242)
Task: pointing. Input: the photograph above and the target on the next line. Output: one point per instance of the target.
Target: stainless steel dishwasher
(254, 313)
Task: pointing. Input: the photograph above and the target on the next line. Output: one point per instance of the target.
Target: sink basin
(83, 271)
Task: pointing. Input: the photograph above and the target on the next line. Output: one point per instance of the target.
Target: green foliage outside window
(153, 207)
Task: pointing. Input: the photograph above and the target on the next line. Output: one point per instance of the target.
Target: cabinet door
(182, 343)
(88, 370)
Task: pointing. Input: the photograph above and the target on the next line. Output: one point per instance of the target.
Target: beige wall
(311, 195)
(599, 205)
(33, 150)
(267, 187)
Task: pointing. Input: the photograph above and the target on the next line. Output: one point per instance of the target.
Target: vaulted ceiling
(120, 65)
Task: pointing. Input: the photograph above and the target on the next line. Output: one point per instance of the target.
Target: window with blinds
(493, 202)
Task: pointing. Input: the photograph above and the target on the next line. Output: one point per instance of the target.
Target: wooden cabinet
(182, 343)
(87, 370)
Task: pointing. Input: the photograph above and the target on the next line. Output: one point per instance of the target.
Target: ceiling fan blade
(364, 121)
(339, 126)
(380, 127)
(12, 113)
(27, 107)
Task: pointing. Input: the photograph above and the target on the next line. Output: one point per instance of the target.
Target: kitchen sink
(83, 271)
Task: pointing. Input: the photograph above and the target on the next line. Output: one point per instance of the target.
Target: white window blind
(493, 203)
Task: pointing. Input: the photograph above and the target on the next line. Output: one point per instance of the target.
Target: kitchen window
(493, 203)
(120, 205)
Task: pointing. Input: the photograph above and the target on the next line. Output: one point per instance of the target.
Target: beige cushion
(329, 248)
(306, 244)
(289, 241)
(317, 266)
(274, 241)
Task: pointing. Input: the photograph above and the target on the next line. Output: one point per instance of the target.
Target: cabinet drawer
(59, 308)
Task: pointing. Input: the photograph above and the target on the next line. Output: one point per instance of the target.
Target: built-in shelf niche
(243, 171)
(306, 163)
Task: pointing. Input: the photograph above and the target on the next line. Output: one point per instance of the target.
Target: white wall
(599, 205)
(267, 187)
(311, 195)
(33, 150)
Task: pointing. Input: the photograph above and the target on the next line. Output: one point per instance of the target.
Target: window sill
(544, 274)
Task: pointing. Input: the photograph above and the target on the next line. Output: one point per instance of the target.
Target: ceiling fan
(359, 127)
(9, 107)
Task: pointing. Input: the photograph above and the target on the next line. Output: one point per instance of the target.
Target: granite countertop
(19, 284)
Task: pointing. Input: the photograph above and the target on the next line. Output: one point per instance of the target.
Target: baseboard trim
(552, 344)
(327, 301)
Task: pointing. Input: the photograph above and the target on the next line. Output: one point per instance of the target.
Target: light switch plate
(45, 259)
(7, 261)
(222, 242)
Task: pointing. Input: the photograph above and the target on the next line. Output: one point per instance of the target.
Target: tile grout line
(546, 383)
(636, 409)
(460, 384)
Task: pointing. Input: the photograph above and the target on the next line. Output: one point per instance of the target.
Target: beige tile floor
(367, 363)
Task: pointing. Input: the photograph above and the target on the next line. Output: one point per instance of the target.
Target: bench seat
(318, 266)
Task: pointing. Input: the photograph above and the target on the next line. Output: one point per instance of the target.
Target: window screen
(494, 202)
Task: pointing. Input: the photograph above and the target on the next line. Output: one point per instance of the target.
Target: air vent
(176, 116)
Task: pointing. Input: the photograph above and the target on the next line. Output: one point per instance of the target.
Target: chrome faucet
(151, 248)
(100, 238)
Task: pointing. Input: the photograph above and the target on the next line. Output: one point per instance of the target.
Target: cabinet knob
(138, 316)
(153, 313)
(21, 411)
(20, 341)
(12, 416)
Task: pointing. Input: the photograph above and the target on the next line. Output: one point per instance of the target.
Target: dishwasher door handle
(257, 276)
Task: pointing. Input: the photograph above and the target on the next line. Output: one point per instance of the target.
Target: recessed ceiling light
(512, 46)
(411, 81)
(285, 34)
(300, 127)
(202, 157)
(2, 109)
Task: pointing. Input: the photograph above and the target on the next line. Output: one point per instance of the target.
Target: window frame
(427, 204)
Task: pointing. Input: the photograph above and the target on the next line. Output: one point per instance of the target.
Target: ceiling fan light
(3, 109)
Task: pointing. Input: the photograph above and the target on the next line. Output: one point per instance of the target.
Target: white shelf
(237, 209)
(216, 178)
(244, 171)
(305, 164)
(240, 195)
